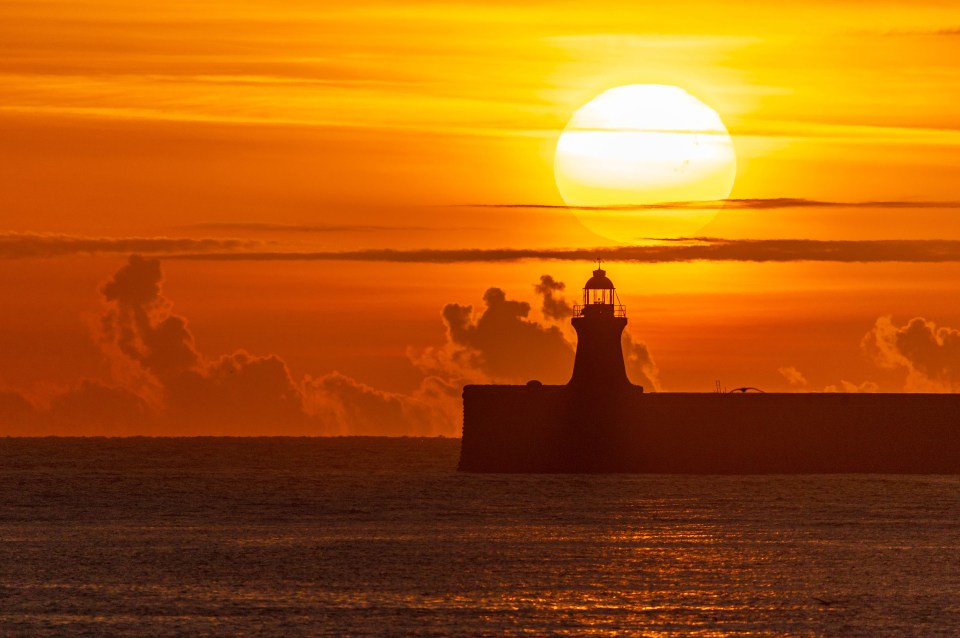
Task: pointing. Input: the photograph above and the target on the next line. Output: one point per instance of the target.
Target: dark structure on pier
(600, 422)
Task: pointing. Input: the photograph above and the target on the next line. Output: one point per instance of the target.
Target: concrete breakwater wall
(560, 429)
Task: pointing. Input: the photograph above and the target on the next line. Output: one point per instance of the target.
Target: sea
(383, 537)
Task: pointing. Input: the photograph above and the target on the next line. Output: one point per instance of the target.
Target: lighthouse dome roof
(599, 281)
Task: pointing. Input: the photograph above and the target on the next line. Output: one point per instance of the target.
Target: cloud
(504, 344)
(239, 393)
(17, 414)
(793, 376)
(770, 203)
(929, 354)
(93, 408)
(944, 32)
(347, 406)
(849, 387)
(26, 245)
(796, 379)
(656, 250)
(162, 384)
(553, 307)
(664, 251)
(139, 322)
(305, 228)
(640, 366)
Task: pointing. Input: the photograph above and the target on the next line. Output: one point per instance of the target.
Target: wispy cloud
(304, 228)
(684, 249)
(22, 245)
(773, 203)
(268, 227)
(945, 31)
(688, 250)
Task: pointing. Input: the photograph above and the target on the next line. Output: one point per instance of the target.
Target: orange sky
(278, 127)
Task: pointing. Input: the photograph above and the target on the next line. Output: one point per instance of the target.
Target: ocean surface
(368, 536)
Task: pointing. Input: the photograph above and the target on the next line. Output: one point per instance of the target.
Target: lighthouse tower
(599, 323)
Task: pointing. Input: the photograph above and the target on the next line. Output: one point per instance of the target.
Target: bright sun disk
(644, 144)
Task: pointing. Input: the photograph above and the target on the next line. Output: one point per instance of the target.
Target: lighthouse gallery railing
(618, 310)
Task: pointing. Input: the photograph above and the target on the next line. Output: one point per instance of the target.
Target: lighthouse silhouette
(599, 322)
(600, 422)
(576, 427)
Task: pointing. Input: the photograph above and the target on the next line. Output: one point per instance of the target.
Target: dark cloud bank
(928, 354)
(665, 251)
(24, 245)
(163, 385)
(690, 249)
(653, 250)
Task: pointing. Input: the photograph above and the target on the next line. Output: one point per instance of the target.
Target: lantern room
(600, 297)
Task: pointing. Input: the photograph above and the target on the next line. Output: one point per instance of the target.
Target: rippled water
(338, 537)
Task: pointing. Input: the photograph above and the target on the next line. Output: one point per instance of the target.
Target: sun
(639, 145)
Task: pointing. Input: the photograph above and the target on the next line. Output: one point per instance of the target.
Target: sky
(326, 217)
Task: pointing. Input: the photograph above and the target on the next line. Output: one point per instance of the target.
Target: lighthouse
(600, 422)
(599, 322)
